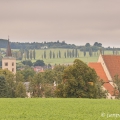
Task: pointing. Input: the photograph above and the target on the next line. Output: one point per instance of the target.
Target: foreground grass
(58, 109)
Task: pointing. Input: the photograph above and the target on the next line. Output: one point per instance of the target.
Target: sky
(73, 21)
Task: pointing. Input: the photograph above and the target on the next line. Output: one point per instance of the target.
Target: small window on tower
(12, 63)
(12, 69)
(6, 64)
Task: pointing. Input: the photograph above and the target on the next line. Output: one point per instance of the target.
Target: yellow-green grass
(59, 109)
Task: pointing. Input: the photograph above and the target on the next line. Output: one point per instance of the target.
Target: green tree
(39, 63)
(34, 54)
(50, 54)
(90, 51)
(84, 51)
(10, 79)
(79, 81)
(27, 54)
(3, 87)
(19, 77)
(36, 87)
(44, 54)
(20, 90)
(59, 54)
(31, 55)
(27, 62)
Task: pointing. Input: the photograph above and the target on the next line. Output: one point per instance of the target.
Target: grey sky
(75, 21)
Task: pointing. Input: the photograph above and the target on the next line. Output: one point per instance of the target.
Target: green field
(59, 109)
(64, 60)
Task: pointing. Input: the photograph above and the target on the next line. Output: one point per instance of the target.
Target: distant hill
(3, 43)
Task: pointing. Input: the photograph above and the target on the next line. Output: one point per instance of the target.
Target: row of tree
(77, 80)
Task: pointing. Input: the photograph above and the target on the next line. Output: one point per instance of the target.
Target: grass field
(64, 60)
(59, 109)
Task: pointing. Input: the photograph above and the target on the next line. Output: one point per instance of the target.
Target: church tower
(9, 62)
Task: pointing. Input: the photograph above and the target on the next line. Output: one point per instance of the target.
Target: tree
(27, 62)
(39, 63)
(20, 90)
(116, 80)
(19, 77)
(27, 51)
(50, 54)
(73, 55)
(34, 54)
(31, 55)
(87, 45)
(76, 53)
(79, 81)
(44, 54)
(3, 87)
(10, 79)
(84, 51)
(59, 54)
(90, 51)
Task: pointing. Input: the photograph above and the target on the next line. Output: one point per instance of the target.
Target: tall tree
(31, 55)
(20, 90)
(34, 54)
(3, 87)
(79, 81)
(59, 54)
(50, 54)
(90, 51)
(44, 54)
(84, 51)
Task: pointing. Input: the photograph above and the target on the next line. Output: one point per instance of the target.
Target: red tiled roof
(113, 64)
(101, 73)
(99, 70)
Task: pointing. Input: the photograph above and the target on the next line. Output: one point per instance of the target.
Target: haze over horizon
(74, 21)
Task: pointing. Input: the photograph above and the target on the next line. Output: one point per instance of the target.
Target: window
(6, 64)
(12, 63)
(12, 69)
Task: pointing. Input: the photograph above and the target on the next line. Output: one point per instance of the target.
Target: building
(106, 68)
(9, 62)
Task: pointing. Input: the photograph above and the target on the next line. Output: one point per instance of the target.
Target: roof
(99, 70)
(101, 73)
(8, 51)
(113, 64)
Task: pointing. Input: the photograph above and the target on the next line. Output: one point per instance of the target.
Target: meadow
(59, 109)
(64, 60)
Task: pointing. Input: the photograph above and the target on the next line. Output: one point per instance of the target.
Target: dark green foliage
(59, 54)
(90, 52)
(26, 74)
(84, 51)
(27, 62)
(31, 54)
(44, 54)
(50, 54)
(78, 81)
(39, 63)
(20, 90)
(3, 87)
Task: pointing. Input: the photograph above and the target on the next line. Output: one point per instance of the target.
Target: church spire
(8, 51)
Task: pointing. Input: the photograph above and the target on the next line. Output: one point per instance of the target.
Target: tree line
(77, 80)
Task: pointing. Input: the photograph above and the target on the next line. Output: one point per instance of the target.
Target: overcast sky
(75, 21)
